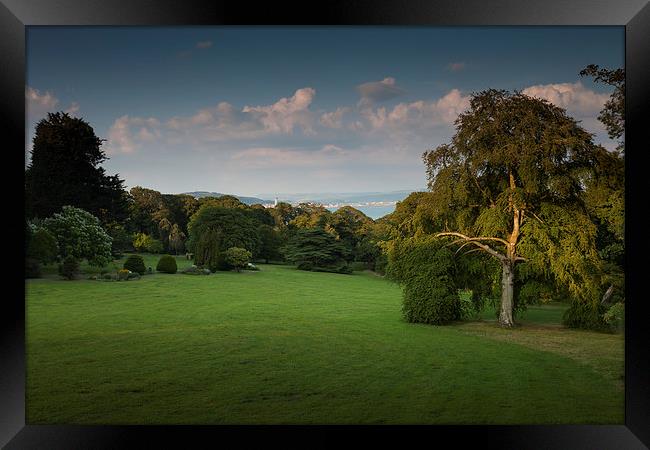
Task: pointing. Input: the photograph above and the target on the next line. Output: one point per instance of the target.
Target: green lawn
(285, 346)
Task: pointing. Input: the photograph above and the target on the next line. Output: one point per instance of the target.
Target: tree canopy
(80, 236)
(64, 170)
(509, 184)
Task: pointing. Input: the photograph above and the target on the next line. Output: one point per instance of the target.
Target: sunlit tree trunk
(507, 294)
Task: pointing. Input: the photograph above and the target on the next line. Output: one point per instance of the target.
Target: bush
(135, 263)
(193, 270)
(167, 264)
(42, 246)
(615, 316)
(426, 271)
(587, 316)
(430, 300)
(238, 258)
(144, 243)
(69, 268)
(32, 268)
(123, 274)
(346, 269)
(305, 265)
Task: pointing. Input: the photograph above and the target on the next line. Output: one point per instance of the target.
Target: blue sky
(264, 110)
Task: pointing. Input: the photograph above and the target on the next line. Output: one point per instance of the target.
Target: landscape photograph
(324, 225)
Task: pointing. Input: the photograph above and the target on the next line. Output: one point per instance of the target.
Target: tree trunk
(607, 294)
(507, 294)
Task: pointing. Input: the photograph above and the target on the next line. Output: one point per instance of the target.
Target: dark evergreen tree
(64, 170)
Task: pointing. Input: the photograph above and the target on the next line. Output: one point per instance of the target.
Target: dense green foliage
(135, 263)
(214, 229)
(167, 264)
(271, 240)
(145, 243)
(313, 247)
(237, 258)
(69, 267)
(42, 245)
(426, 270)
(79, 234)
(177, 239)
(64, 170)
(510, 184)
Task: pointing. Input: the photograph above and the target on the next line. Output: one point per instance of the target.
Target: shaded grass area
(286, 346)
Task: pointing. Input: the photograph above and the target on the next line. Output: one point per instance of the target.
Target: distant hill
(246, 200)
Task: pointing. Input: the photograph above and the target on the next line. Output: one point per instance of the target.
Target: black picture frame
(634, 15)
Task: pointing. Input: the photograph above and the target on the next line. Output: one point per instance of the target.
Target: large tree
(613, 113)
(213, 230)
(64, 170)
(509, 184)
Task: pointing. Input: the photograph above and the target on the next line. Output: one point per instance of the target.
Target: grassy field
(285, 346)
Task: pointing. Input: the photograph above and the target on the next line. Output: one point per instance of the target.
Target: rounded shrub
(426, 271)
(167, 264)
(135, 263)
(431, 300)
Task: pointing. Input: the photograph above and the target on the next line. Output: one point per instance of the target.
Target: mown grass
(285, 346)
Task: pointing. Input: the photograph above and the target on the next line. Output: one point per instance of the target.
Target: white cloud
(573, 97)
(419, 114)
(378, 91)
(122, 140)
(39, 104)
(119, 137)
(287, 113)
(334, 119)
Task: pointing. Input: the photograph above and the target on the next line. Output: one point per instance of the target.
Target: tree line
(521, 206)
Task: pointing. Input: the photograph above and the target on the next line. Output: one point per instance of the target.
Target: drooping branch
(475, 241)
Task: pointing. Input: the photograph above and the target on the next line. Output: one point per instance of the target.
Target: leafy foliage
(42, 247)
(511, 184)
(69, 268)
(145, 243)
(167, 264)
(237, 258)
(213, 230)
(135, 263)
(177, 239)
(79, 234)
(314, 247)
(426, 270)
(271, 240)
(64, 170)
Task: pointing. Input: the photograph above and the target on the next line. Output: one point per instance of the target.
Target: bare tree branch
(475, 242)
